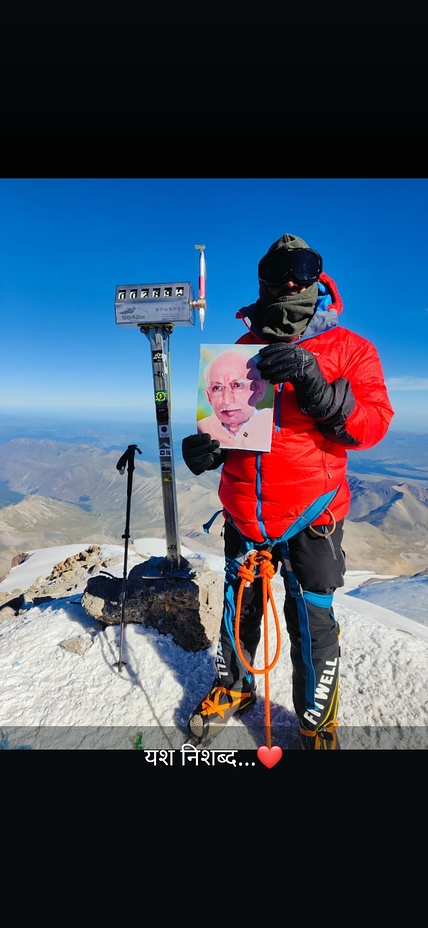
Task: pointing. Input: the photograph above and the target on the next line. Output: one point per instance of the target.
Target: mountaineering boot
(323, 739)
(214, 712)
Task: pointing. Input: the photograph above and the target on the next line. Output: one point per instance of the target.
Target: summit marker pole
(156, 309)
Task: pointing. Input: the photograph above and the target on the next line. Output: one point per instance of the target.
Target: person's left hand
(281, 363)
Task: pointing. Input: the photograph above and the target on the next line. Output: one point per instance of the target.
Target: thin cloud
(407, 383)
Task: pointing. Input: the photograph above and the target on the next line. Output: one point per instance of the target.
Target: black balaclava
(287, 315)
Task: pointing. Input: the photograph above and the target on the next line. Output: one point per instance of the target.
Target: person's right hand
(201, 452)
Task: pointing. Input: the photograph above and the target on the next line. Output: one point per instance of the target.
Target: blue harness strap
(302, 597)
(207, 525)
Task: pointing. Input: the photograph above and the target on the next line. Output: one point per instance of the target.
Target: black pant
(318, 562)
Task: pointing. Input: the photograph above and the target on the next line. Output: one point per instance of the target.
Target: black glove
(282, 363)
(201, 452)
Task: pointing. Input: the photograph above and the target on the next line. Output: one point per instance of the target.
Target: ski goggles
(302, 264)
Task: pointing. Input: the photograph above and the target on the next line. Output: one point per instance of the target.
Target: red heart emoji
(269, 756)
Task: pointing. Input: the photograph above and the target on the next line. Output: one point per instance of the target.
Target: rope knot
(267, 569)
(259, 561)
(246, 572)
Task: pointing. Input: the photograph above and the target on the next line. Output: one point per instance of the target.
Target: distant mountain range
(103, 433)
(394, 507)
(58, 492)
(399, 454)
(37, 518)
(75, 493)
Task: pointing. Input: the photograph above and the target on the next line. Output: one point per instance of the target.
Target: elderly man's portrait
(235, 405)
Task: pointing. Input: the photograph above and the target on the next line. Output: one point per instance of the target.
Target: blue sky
(66, 243)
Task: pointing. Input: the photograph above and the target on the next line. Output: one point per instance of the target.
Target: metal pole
(158, 337)
(155, 308)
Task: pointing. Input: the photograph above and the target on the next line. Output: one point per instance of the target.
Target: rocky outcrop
(66, 578)
(11, 604)
(189, 610)
(19, 559)
(79, 644)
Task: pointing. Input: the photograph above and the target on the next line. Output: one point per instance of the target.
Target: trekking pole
(126, 459)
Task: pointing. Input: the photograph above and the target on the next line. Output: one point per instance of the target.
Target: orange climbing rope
(266, 570)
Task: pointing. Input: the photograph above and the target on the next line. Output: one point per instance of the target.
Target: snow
(354, 579)
(39, 564)
(52, 698)
(409, 594)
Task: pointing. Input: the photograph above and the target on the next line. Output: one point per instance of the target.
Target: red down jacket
(266, 492)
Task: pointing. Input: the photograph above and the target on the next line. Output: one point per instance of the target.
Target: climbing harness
(253, 563)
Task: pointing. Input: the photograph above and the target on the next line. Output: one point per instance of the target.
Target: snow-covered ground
(53, 698)
(404, 594)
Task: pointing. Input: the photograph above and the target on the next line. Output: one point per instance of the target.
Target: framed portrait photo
(235, 404)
